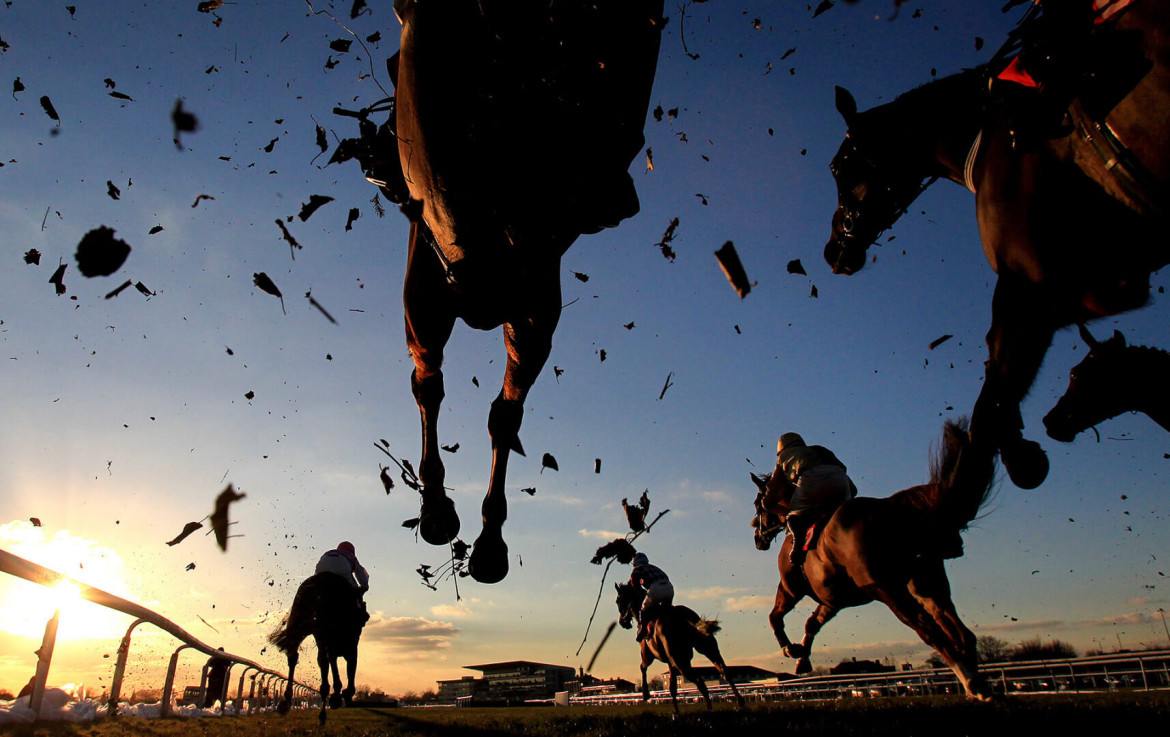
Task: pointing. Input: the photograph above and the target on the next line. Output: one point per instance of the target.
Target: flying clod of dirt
(100, 254)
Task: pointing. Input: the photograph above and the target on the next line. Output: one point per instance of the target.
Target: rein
(1134, 179)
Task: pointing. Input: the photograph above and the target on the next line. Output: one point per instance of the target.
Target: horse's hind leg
(286, 703)
(529, 343)
(323, 663)
(920, 616)
(709, 648)
(429, 322)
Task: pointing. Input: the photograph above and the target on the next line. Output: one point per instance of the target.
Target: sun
(26, 607)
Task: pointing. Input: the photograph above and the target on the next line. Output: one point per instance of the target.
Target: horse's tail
(708, 627)
(298, 623)
(963, 472)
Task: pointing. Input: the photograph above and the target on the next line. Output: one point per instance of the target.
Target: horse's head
(872, 191)
(771, 510)
(629, 603)
(1091, 396)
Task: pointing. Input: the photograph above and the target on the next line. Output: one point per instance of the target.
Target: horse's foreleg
(818, 619)
(529, 343)
(1021, 331)
(785, 601)
(429, 322)
(672, 673)
(647, 659)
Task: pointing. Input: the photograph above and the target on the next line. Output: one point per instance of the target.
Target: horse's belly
(518, 122)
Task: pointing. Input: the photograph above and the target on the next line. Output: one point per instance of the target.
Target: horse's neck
(1141, 384)
(935, 126)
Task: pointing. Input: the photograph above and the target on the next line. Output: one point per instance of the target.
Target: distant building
(459, 688)
(737, 673)
(511, 681)
(855, 666)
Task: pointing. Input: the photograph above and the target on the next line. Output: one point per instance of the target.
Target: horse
(326, 607)
(1072, 220)
(516, 123)
(1113, 378)
(889, 550)
(673, 637)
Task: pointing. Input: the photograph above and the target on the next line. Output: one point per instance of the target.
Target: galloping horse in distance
(889, 550)
(1112, 379)
(516, 125)
(325, 607)
(1072, 217)
(673, 637)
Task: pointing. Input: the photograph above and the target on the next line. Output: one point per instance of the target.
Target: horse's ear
(1087, 336)
(1118, 338)
(846, 105)
(761, 482)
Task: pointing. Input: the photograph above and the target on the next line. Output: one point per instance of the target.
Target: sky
(125, 417)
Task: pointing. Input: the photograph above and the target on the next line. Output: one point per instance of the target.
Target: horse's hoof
(1026, 463)
(283, 707)
(803, 666)
(438, 522)
(321, 718)
(800, 652)
(335, 701)
(489, 559)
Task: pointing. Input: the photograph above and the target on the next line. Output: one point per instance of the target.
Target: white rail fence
(1144, 671)
(262, 680)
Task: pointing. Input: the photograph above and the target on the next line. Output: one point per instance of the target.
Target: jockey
(816, 482)
(659, 590)
(343, 562)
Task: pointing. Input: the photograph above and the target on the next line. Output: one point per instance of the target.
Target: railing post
(223, 690)
(252, 692)
(170, 682)
(1145, 681)
(120, 669)
(240, 689)
(44, 660)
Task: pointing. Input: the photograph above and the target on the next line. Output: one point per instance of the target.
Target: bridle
(896, 196)
(763, 514)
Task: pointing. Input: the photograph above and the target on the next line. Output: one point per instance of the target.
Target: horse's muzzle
(1060, 426)
(763, 543)
(843, 257)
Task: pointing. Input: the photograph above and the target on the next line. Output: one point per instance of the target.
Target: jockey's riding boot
(797, 528)
(641, 632)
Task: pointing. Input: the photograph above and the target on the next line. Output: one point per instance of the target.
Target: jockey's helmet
(640, 559)
(789, 440)
(347, 547)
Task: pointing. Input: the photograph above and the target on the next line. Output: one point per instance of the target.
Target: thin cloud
(745, 603)
(711, 592)
(600, 534)
(410, 633)
(447, 610)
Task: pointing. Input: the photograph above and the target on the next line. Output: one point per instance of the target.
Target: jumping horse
(889, 550)
(516, 124)
(673, 637)
(326, 607)
(1073, 222)
(1113, 378)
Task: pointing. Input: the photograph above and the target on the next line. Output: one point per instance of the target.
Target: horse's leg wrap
(504, 423)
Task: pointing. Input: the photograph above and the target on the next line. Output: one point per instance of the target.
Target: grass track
(1135, 714)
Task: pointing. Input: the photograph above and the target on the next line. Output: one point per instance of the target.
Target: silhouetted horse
(326, 607)
(516, 123)
(1072, 224)
(889, 550)
(673, 637)
(1112, 379)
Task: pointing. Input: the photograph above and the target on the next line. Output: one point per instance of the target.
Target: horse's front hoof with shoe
(1025, 461)
(283, 707)
(489, 558)
(438, 522)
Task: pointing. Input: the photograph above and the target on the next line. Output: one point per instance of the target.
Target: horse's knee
(429, 391)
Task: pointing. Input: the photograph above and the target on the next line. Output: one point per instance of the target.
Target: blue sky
(125, 417)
